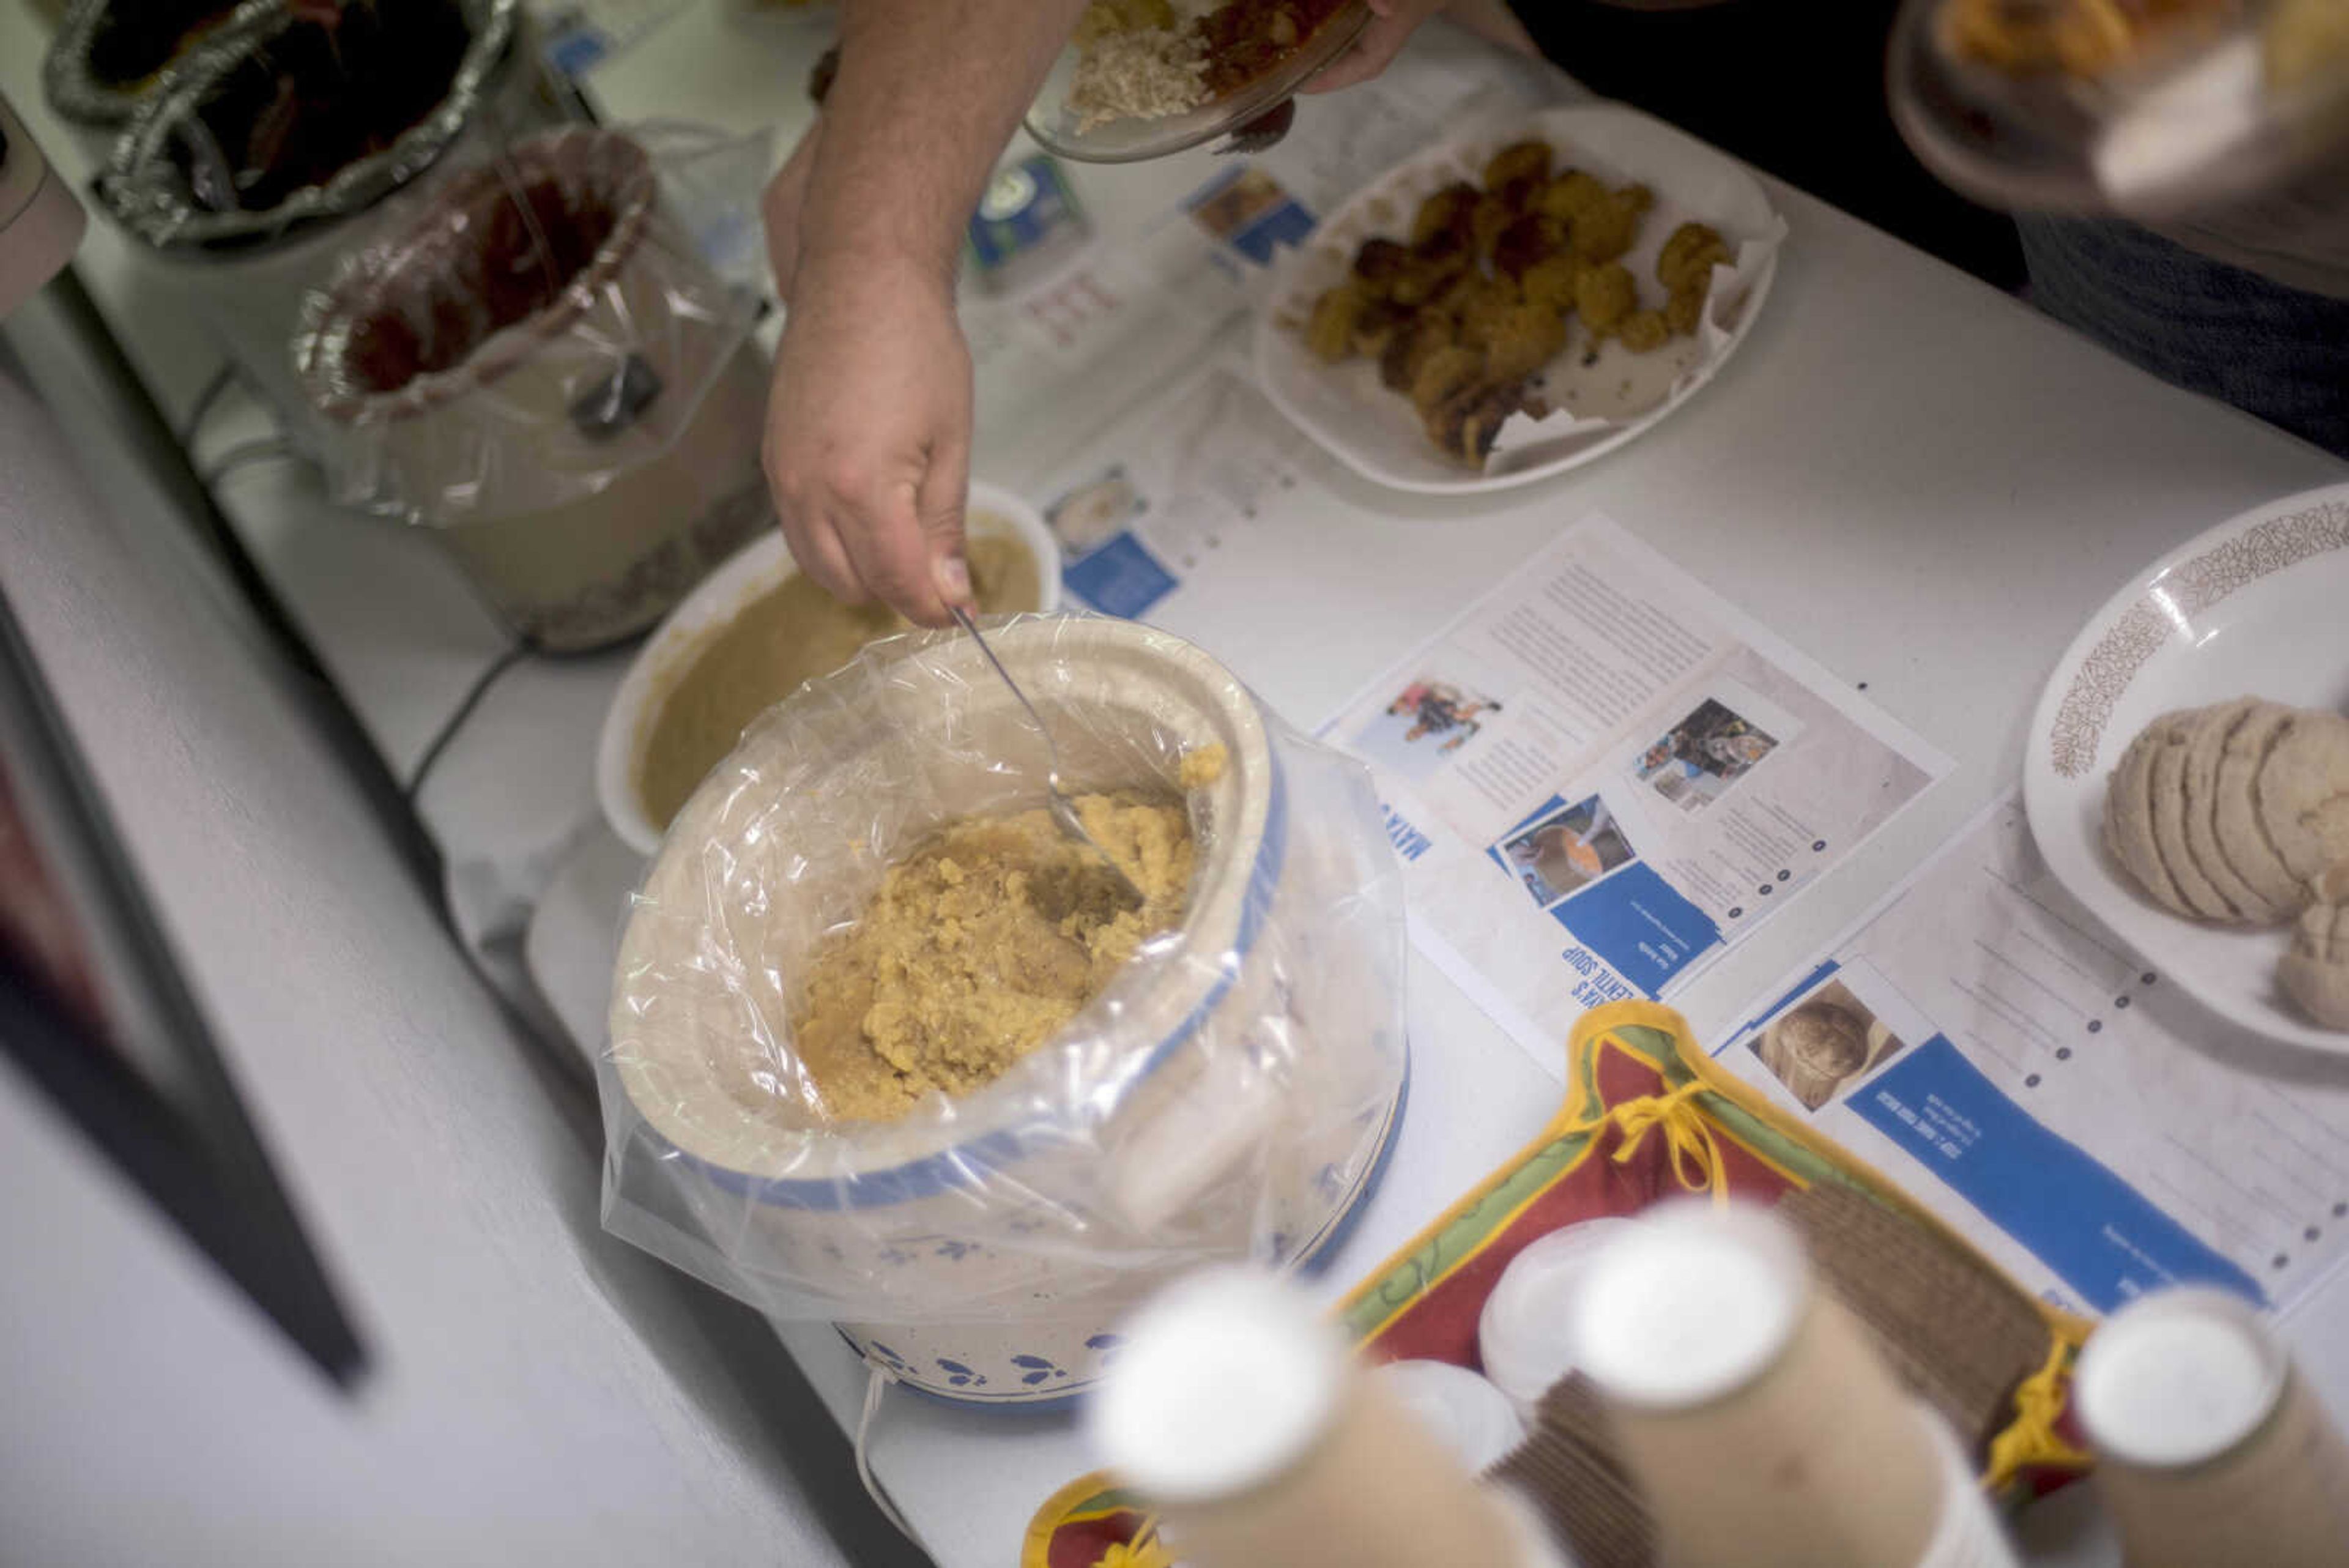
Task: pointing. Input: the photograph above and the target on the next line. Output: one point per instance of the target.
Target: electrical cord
(202, 408)
(874, 1387)
(247, 452)
(514, 654)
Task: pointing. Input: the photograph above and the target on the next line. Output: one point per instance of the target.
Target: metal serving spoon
(1063, 810)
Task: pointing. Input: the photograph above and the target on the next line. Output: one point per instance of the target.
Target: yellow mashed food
(780, 640)
(983, 944)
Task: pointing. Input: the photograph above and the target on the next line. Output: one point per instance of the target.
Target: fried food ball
(1442, 373)
(1549, 282)
(1644, 331)
(1518, 195)
(1465, 425)
(2303, 41)
(1526, 339)
(1446, 212)
(1606, 228)
(1527, 240)
(1685, 308)
(1690, 255)
(1571, 195)
(1637, 197)
(1456, 294)
(1447, 245)
(1517, 160)
(1380, 320)
(1604, 296)
(1492, 215)
(1998, 32)
(1378, 263)
(1412, 347)
(1423, 279)
(1483, 306)
(1329, 334)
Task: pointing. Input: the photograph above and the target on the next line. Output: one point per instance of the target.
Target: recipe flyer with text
(1986, 1045)
(1603, 775)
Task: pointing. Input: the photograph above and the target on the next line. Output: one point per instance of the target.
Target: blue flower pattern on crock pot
(1039, 1369)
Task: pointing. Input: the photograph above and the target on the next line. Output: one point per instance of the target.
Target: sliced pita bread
(2304, 794)
(2203, 751)
(2315, 973)
(2128, 821)
(2173, 733)
(2235, 810)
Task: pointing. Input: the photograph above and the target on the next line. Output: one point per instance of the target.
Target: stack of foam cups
(2211, 1449)
(1233, 1408)
(1763, 1430)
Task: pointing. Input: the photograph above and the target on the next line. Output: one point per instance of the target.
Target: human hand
(780, 208)
(868, 434)
(1392, 22)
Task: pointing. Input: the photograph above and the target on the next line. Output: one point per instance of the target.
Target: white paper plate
(2257, 607)
(1377, 434)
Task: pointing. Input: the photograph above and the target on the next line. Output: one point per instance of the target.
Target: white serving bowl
(750, 574)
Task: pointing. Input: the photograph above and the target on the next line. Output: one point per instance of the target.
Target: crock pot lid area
(331, 319)
(669, 1126)
(134, 187)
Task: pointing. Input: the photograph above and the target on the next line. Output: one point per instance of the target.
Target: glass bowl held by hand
(1054, 125)
(2221, 106)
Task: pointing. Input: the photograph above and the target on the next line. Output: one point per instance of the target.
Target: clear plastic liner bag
(537, 357)
(1228, 1095)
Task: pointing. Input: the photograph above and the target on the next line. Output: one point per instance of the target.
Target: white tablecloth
(1913, 478)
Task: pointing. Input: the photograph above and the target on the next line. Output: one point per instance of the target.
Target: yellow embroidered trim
(1687, 1134)
(2031, 1438)
(1146, 1550)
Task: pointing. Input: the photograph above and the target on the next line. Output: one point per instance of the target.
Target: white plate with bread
(2187, 775)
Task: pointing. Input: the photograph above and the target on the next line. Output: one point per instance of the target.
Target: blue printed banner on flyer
(2095, 1231)
(1122, 577)
(1247, 209)
(1641, 925)
(1107, 564)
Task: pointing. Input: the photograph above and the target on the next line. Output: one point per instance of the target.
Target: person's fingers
(814, 544)
(816, 549)
(939, 501)
(1391, 25)
(1371, 54)
(890, 552)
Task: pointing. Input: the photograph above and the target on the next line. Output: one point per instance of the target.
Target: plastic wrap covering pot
(541, 367)
(1229, 1094)
(258, 159)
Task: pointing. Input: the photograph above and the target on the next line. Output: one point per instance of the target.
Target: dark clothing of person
(1793, 87)
(2279, 353)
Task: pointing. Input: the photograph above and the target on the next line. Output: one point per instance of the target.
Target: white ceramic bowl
(750, 574)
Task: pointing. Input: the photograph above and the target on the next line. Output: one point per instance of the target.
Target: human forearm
(927, 94)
